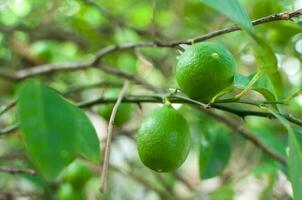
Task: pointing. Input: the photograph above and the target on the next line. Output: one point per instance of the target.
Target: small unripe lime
(124, 111)
(77, 173)
(163, 140)
(68, 192)
(205, 69)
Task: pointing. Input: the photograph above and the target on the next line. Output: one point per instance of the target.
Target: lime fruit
(68, 192)
(163, 140)
(124, 111)
(205, 69)
(77, 173)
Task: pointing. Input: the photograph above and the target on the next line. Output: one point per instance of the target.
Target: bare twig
(142, 180)
(50, 68)
(9, 130)
(17, 171)
(7, 107)
(12, 156)
(109, 136)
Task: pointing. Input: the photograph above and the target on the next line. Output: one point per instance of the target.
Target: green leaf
(272, 140)
(233, 10)
(48, 128)
(53, 130)
(294, 159)
(295, 166)
(215, 151)
(87, 143)
(262, 85)
(267, 63)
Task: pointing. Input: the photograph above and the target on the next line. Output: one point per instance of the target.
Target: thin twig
(142, 180)
(9, 130)
(17, 171)
(7, 107)
(50, 68)
(109, 136)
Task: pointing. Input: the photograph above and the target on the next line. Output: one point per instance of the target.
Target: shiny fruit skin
(68, 192)
(77, 173)
(124, 111)
(205, 69)
(163, 139)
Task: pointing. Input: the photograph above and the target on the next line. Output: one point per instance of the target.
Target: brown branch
(7, 107)
(17, 171)
(143, 181)
(50, 68)
(109, 136)
(233, 125)
(9, 130)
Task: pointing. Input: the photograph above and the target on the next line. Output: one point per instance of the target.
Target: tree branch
(50, 68)
(109, 136)
(17, 171)
(177, 99)
(143, 181)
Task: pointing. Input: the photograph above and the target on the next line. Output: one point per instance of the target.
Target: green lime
(163, 140)
(205, 69)
(124, 111)
(77, 173)
(68, 192)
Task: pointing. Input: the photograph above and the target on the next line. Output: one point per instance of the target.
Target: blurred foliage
(222, 165)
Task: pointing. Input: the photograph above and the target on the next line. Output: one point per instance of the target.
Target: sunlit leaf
(233, 10)
(262, 85)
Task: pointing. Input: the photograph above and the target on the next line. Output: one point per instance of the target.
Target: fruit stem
(220, 94)
(166, 101)
(249, 86)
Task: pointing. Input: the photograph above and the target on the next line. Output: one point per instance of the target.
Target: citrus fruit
(77, 173)
(205, 69)
(163, 140)
(68, 192)
(124, 111)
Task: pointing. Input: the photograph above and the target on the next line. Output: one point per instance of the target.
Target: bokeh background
(35, 32)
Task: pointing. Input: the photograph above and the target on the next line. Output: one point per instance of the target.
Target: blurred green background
(35, 32)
